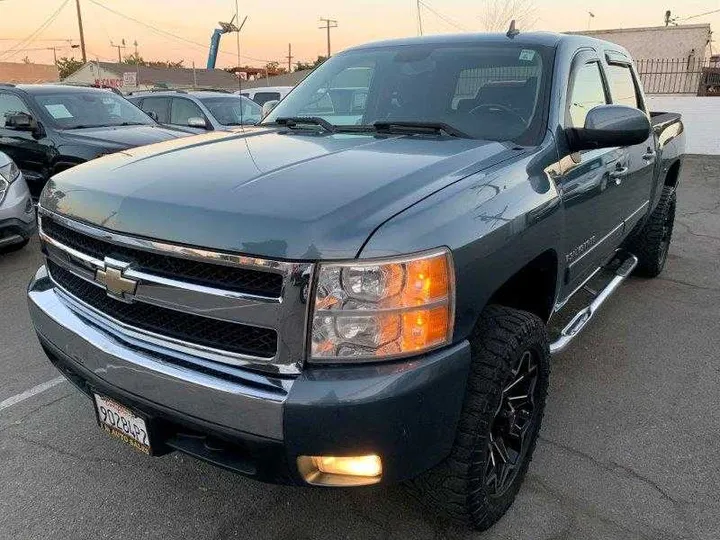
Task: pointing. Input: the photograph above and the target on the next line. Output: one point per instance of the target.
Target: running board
(578, 322)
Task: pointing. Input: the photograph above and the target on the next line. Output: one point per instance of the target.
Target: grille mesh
(201, 273)
(223, 335)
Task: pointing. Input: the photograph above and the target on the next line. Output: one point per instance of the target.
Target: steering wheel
(497, 107)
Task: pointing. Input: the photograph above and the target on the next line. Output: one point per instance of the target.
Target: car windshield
(494, 92)
(99, 108)
(233, 110)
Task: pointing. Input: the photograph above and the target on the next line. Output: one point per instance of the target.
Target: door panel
(636, 185)
(593, 210)
(593, 221)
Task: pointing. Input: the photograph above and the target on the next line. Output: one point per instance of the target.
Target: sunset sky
(272, 25)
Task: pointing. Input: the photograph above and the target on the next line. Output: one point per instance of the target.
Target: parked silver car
(198, 111)
(17, 214)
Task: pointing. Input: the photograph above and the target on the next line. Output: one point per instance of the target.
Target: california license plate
(119, 421)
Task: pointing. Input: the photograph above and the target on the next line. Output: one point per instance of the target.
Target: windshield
(97, 108)
(233, 110)
(494, 92)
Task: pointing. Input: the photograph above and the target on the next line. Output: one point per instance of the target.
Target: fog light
(340, 470)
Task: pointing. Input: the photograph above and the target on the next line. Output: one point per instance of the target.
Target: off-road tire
(651, 244)
(456, 487)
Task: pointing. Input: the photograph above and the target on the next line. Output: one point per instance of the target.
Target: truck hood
(266, 192)
(121, 137)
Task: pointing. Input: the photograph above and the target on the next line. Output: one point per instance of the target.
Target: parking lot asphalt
(629, 448)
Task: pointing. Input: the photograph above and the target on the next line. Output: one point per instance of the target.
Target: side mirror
(197, 122)
(20, 122)
(153, 115)
(268, 106)
(610, 125)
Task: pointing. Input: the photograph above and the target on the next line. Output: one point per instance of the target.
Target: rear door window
(262, 97)
(622, 86)
(182, 110)
(157, 105)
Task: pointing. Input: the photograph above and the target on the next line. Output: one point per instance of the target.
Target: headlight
(8, 174)
(382, 309)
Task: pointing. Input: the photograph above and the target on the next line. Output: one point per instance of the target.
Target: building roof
(186, 77)
(286, 79)
(20, 72)
(680, 27)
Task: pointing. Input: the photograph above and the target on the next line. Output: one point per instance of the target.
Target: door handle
(649, 155)
(618, 174)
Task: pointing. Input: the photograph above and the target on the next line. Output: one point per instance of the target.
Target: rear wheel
(500, 420)
(652, 242)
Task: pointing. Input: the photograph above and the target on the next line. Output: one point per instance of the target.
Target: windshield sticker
(527, 55)
(58, 111)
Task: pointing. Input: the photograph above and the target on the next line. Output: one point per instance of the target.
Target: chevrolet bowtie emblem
(116, 284)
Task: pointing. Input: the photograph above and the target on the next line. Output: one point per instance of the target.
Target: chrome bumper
(253, 406)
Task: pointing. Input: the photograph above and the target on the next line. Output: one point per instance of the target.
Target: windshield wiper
(390, 126)
(298, 120)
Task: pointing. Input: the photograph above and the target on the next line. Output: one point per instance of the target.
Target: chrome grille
(237, 310)
(192, 271)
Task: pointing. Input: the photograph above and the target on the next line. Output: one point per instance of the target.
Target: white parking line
(34, 391)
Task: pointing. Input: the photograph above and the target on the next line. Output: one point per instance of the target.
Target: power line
(700, 15)
(442, 17)
(29, 39)
(169, 34)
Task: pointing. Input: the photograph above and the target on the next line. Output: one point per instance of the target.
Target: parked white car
(265, 93)
(17, 213)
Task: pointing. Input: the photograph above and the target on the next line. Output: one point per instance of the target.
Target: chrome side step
(578, 322)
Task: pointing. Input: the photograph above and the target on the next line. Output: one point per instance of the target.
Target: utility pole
(54, 50)
(329, 23)
(121, 46)
(82, 34)
(289, 57)
(419, 12)
(136, 47)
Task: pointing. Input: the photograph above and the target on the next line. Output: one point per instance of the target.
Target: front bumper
(256, 425)
(17, 215)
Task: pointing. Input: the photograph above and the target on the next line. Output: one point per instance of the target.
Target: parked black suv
(49, 128)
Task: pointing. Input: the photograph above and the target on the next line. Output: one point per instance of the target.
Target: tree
(301, 66)
(497, 14)
(165, 63)
(67, 66)
(273, 68)
(135, 59)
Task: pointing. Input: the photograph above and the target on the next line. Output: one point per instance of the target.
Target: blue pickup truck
(367, 287)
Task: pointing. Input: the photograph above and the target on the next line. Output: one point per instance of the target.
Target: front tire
(500, 420)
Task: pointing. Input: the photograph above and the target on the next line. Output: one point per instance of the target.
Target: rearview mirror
(197, 122)
(610, 125)
(20, 121)
(268, 106)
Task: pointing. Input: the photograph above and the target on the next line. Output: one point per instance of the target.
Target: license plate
(119, 421)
